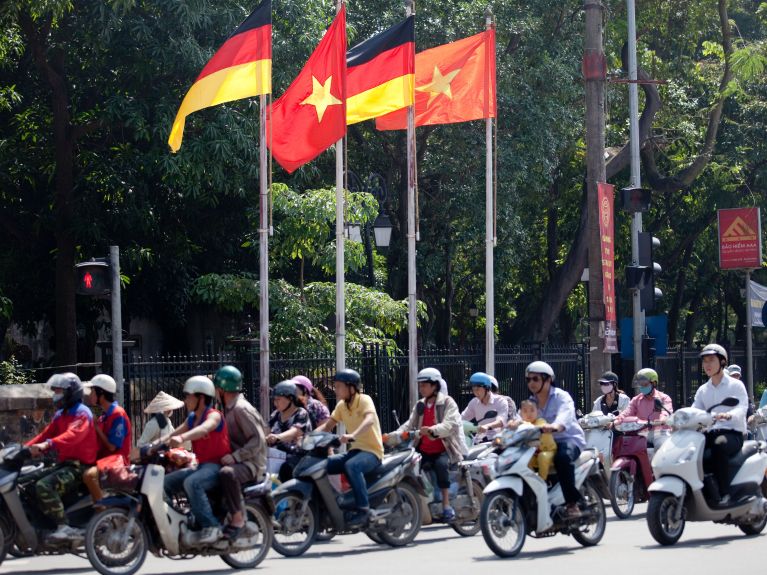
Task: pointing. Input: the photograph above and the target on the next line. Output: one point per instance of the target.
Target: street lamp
(474, 313)
(382, 228)
(354, 232)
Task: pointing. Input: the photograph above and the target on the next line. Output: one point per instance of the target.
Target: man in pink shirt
(642, 405)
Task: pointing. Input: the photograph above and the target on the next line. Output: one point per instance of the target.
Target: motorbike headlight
(679, 419)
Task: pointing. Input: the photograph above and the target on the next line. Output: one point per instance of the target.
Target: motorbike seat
(737, 460)
(257, 488)
(389, 463)
(475, 452)
(586, 455)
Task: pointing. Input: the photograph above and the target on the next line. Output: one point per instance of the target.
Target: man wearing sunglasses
(557, 407)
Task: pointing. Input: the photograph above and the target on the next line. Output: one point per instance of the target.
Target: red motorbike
(631, 472)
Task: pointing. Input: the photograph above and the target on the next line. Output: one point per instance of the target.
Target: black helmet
(285, 389)
(349, 377)
(71, 387)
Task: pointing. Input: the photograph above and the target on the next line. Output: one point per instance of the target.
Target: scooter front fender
(624, 463)
(504, 482)
(295, 485)
(667, 484)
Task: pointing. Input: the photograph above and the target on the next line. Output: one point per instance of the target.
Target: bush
(11, 373)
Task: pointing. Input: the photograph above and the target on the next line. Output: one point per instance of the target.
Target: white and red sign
(606, 193)
(740, 239)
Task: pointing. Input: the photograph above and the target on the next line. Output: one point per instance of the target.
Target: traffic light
(92, 278)
(648, 293)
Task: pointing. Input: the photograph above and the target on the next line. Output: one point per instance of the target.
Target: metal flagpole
(489, 235)
(411, 287)
(749, 340)
(340, 280)
(263, 265)
(636, 180)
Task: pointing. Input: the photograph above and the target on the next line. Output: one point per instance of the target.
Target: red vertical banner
(606, 193)
(740, 239)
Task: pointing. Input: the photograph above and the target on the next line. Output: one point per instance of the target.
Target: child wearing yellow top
(544, 457)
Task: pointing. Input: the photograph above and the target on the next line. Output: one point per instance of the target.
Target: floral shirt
(299, 419)
(318, 412)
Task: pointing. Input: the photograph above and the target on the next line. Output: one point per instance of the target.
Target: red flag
(311, 115)
(453, 83)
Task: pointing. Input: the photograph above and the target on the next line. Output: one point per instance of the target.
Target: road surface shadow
(709, 542)
(47, 570)
(528, 555)
(642, 515)
(361, 550)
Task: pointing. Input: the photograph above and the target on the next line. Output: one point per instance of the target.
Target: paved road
(705, 549)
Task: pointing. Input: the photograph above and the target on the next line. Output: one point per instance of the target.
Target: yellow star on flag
(439, 84)
(321, 97)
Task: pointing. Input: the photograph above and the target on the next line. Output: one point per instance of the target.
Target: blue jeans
(355, 463)
(196, 482)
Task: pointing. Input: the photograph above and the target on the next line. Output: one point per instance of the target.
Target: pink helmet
(305, 383)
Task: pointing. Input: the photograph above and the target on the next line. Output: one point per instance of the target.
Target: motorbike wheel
(249, 558)
(407, 514)
(591, 533)
(503, 523)
(296, 531)
(108, 550)
(324, 536)
(470, 527)
(622, 497)
(3, 547)
(660, 518)
(374, 536)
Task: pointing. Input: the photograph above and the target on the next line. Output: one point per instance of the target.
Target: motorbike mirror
(658, 404)
(730, 401)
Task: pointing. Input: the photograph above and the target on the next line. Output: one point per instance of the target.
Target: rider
(612, 400)
(509, 402)
(642, 405)
(556, 406)
(440, 441)
(113, 429)
(247, 461)
(485, 406)
(725, 438)
(312, 400)
(287, 424)
(71, 434)
(358, 413)
(206, 428)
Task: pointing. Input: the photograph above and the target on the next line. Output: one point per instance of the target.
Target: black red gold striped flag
(241, 68)
(381, 73)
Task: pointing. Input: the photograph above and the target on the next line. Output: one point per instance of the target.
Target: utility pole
(595, 71)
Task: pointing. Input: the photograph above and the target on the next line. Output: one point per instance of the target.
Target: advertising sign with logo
(606, 193)
(740, 239)
(758, 304)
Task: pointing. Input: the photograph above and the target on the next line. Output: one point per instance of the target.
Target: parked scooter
(140, 520)
(631, 472)
(24, 529)
(310, 503)
(519, 503)
(679, 492)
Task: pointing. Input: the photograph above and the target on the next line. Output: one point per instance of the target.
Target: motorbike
(24, 530)
(140, 519)
(681, 491)
(631, 472)
(518, 502)
(311, 503)
(467, 481)
(758, 424)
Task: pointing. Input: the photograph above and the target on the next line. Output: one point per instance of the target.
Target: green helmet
(228, 378)
(645, 374)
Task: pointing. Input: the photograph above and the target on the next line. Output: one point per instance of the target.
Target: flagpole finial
(489, 15)
(409, 7)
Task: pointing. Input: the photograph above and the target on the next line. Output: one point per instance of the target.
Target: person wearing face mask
(557, 407)
(612, 400)
(642, 405)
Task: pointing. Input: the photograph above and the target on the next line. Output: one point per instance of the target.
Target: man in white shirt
(725, 438)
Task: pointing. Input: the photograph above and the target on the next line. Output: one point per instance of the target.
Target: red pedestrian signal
(93, 278)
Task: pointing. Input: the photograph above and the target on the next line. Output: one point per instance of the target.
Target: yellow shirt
(547, 439)
(352, 416)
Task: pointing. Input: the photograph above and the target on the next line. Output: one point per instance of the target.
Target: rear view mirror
(730, 401)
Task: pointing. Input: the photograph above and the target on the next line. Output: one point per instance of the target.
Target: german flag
(380, 73)
(242, 68)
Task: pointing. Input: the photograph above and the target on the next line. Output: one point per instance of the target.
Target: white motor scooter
(758, 424)
(599, 435)
(518, 502)
(677, 495)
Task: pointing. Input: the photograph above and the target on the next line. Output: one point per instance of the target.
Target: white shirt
(709, 394)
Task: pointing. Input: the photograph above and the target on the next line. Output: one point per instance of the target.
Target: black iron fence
(384, 374)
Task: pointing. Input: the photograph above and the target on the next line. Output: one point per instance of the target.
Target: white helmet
(429, 374)
(103, 381)
(714, 349)
(200, 384)
(494, 384)
(540, 367)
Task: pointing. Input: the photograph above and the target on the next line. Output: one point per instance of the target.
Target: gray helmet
(714, 349)
(349, 377)
(285, 389)
(71, 387)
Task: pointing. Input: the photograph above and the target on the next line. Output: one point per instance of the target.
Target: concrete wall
(24, 411)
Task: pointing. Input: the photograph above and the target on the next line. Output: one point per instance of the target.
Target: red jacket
(116, 426)
(212, 447)
(72, 435)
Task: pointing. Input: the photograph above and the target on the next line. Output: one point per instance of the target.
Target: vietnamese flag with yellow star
(241, 68)
(453, 83)
(311, 115)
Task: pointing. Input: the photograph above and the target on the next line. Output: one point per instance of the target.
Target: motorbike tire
(250, 558)
(410, 506)
(470, 527)
(620, 483)
(659, 521)
(3, 547)
(108, 555)
(374, 536)
(309, 524)
(587, 535)
(501, 511)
